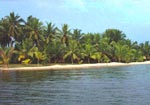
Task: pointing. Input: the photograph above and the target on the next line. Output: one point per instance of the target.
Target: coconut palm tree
(126, 53)
(4, 37)
(39, 55)
(77, 35)
(50, 33)
(114, 35)
(145, 47)
(97, 56)
(34, 30)
(88, 51)
(97, 38)
(72, 51)
(87, 38)
(120, 51)
(23, 50)
(65, 32)
(54, 51)
(6, 54)
(137, 54)
(106, 48)
(15, 23)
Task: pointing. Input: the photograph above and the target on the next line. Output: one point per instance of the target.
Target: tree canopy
(33, 41)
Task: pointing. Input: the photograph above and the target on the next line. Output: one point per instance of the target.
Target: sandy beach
(76, 66)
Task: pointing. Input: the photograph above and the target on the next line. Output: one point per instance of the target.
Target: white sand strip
(76, 66)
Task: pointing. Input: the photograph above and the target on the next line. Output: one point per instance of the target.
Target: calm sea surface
(105, 86)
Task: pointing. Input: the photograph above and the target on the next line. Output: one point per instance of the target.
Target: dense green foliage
(30, 41)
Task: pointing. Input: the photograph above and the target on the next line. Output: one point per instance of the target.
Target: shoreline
(74, 66)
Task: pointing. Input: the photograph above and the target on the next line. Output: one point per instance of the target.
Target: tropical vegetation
(32, 41)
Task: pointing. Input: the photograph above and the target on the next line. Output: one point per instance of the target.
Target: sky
(132, 17)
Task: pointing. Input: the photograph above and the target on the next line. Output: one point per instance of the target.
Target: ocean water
(128, 85)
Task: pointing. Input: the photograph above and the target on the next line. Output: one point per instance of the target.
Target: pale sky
(130, 16)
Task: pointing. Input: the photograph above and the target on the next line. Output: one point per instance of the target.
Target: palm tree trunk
(72, 59)
(38, 62)
(88, 60)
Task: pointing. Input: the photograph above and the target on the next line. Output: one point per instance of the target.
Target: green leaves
(145, 47)
(6, 54)
(114, 35)
(67, 54)
(50, 32)
(35, 43)
(125, 53)
(34, 52)
(33, 30)
(97, 56)
(72, 51)
(26, 61)
(14, 25)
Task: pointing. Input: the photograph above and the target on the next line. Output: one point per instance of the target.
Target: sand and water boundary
(75, 66)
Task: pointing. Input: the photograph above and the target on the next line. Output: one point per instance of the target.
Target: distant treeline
(30, 41)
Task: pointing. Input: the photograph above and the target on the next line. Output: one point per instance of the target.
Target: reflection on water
(104, 86)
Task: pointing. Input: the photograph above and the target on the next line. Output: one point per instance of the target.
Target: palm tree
(145, 47)
(114, 35)
(120, 51)
(34, 30)
(97, 38)
(23, 50)
(4, 37)
(88, 51)
(106, 48)
(72, 51)
(65, 31)
(54, 51)
(87, 38)
(97, 56)
(39, 55)
(50, 32)
(14, 26)
(6, 54)
(130, 44)
(138, 55)
(126, 53)
(77, 35)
